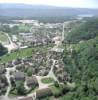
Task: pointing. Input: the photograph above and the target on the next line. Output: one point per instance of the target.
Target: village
(40, 74)
(48, 49)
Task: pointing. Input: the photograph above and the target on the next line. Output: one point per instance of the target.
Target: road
(11, 45)
(8, 70)
(51, 73)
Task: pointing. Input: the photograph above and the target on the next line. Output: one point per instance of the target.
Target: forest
(84, 31)
(81, 61)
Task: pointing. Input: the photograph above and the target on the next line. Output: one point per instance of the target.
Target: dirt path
(51, 73)
(10, 46)
(8, 70)
(8, 80)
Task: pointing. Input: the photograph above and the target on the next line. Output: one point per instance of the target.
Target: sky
(61, 3)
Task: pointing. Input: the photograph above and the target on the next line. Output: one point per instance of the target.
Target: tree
(15, 30)
(3, 50)
(29, 72)
(20, 88)
(96, 85)
(83, 65)
(56, 83)
(5, 28)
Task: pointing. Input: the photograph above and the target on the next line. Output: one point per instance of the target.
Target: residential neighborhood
(31, 77)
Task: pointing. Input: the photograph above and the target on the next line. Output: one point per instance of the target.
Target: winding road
(8, 70)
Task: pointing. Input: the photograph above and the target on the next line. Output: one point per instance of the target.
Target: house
(9, 64)
(43, 93)
(32, 81)
(58, 50)
(3, 84)
(14, 38)
(43, 72)
(57, 38)
(27, 98)
(17, 61)
(19, 76)
(2, 70)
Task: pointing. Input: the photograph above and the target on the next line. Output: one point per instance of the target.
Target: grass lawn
(13, 93)
(3, 37)
(47, 80)
(24, 28)
(27, 52)
(17, 54)
(20, 38)
(57, 91)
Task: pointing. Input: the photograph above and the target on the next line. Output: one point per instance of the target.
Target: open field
(24, 28)
(27, 52)
(47, 80)
(3, 37)
(55, 90)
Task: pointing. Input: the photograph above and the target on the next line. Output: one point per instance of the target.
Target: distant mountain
(26, 10)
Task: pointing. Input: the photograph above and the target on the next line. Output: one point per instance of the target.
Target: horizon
(46, 5)
(59, 3)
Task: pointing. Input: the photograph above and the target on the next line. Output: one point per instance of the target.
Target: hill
(81, 61)
(84, 31)
(20, 10)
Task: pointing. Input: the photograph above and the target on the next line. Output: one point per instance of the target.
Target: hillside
(20, 10)
(85, 31)
(82, 62)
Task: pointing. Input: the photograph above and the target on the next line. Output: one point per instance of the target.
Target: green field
(24, 28)
(3, 37)
(55, 90)
(14, 55)
(27, 52)
(47, 80)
